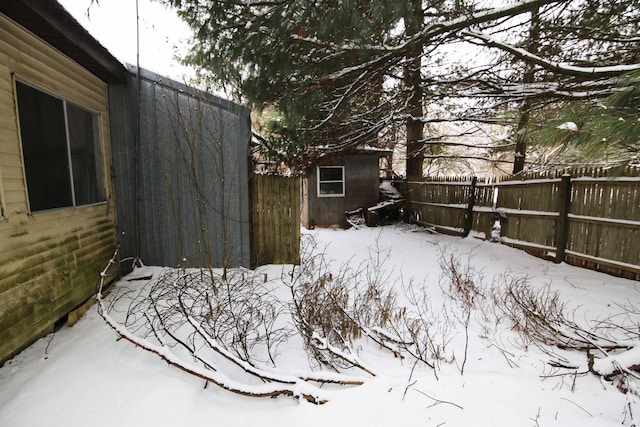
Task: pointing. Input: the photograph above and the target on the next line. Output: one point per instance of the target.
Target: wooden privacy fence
(275, 220)
(589, 221)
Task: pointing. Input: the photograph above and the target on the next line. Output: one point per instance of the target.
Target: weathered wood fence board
(531, 208)
(441, 204)
(592, 221)
(605, 223)
(275, 220)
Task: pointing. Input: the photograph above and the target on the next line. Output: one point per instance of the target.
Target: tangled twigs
(177, 316)
(234, 329)
(540, 316)
(463, 290)
(333, 308)
(542, 319)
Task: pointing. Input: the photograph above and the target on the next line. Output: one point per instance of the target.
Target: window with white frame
(61, 151)
(331, 181)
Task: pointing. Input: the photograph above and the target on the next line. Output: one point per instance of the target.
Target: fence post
(468, 218)
(407, 201)
(562, 226)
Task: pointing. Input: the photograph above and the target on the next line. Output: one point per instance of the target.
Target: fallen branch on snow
(274, 384)
(612, 365)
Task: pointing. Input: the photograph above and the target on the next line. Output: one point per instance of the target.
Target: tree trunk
(521, 137)
(525, 108)
(412, 82)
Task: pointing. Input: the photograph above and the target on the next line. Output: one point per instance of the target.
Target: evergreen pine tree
(342, 74)
(599, 132)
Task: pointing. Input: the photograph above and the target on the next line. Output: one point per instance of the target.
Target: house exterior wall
(361, 175)
(186, 197)
(50, 260)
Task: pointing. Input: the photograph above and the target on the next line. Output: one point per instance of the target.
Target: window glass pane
(331, 181)
(331, 188)
(85, 155)
(44, 148)
(331, 174)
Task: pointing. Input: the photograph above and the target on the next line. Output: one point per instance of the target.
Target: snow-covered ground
(83, 375)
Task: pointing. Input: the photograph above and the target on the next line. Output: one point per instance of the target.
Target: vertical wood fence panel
(531, 207)
(440, 203)
(591, 221)
(275, 220)
(483, 210)
(604, 222)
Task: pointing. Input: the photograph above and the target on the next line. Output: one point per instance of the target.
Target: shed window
(331, 181)
(61, 151)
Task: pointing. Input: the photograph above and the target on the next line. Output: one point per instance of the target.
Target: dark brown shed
(338, 183)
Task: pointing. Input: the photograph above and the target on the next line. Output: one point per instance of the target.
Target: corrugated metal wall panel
(192, 182)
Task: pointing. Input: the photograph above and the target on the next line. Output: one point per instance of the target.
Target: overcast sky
(113, 23)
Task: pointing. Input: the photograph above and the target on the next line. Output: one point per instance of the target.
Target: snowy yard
(487, 373)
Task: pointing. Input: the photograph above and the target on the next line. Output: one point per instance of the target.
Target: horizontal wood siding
(49, 261)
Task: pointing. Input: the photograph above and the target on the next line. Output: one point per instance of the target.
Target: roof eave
(51, 22)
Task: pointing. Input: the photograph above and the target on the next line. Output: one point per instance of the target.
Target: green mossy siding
(44, 275)
(49, 261)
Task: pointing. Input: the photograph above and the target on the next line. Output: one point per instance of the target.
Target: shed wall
(362, 187)
(186, 195)
(362, 174)
(50, 260)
